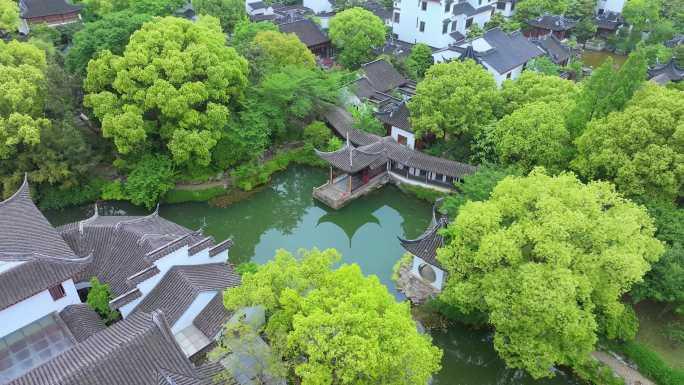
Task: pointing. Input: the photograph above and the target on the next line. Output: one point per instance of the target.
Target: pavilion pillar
(331, 175)
(349, 184)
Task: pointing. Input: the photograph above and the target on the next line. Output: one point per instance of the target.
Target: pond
(284, 215)
(594, 59)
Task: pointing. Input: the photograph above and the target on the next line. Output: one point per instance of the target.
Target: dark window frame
(57, 292)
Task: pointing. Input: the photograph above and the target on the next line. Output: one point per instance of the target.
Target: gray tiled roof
(382, 75)
(82, 321)
(181, 284)
(307, 31)
(463, 8)
(554, 23)
(396, 115)
(608, 20)
(39, 8)
(120, 245)
(380, 149)
(341, 122)
(457, 36)
(509, 50)
(553, 48)
(139, 350)
(425, 246)
(664, 73)
(211, 319)
(27, 237)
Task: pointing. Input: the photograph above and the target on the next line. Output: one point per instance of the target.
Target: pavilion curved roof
(33, 256)
(351, 159)
(664, 73)
(425, 247)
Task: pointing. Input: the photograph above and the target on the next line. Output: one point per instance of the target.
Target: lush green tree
(335, 326)
(476, 187)
(230, 12)
(656, 53)
(98, 299)
(498, 20)
(642, 14)
(607, 90)
(456, 98)
(678, 54)
(544, 65)
(149, 180)
(277, 50)
(419, 60)
(246, 137)
(475, 31)
(585, 29)
(173, 88)
(580, 9)
(245, 31)
(288, 99)
(9, 16)
(547, 259)
(665, 282)
(536, 87)
(356, 32)
(155, 7)
(109, 33)
(530, 9)
(535, 135)
(640, 149)
(317, 134)
(365, 120)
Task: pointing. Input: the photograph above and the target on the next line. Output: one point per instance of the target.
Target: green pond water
(284, 215)
(594, 59)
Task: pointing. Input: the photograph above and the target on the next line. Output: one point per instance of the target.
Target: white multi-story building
(438, 23)
(504, 55)
(608, 6)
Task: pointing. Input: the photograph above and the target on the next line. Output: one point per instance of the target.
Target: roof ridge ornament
(96, 214)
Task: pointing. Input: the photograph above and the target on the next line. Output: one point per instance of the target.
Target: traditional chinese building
(424, 276)
(50, 12)
(151, 265)
(665, 73)
(369, 161)
(545, 25)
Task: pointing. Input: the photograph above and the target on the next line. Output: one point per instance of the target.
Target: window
(512, 6)
(453, 26)
(427, 272)
(479, 2)
(439, 177)
(469, 22)
(421, 27)
(402, 139)
(445, 28)
(423, 5)
(501, 5)
(447, 5)
(508, 75)
(396, 17)
(57, 292)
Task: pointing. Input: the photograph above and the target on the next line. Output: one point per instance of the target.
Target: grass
(652, 333)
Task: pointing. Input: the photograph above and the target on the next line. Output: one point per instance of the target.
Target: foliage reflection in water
(284, 215)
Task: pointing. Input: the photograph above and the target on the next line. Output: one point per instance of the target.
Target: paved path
(631, 376)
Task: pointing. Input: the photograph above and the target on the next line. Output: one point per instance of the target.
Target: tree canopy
(535, 135)
(529, 9)
(419, 60)
(455, 98)
(275, 50)
(173, 88)
(335, 326)
(230, 12)
(640, 149)
(111, 33)
(356, 32)
(547, 259)
(536, 87)
(245, 31)
(9, 16)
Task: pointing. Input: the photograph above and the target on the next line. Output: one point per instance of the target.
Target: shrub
(423, 193)
(56, 198)
(247, 267)
(113, 191)
(649, 363)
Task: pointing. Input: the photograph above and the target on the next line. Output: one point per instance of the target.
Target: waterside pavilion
(368, 161)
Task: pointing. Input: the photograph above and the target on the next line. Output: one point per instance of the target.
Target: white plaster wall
(35, 307)
(198, 304)
(410, 137)
(411, 14)
(179, 257)
(318, 6)
(508, 9)
(439, 282)
(611, 5)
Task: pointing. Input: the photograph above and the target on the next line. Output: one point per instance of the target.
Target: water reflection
(284, 215)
